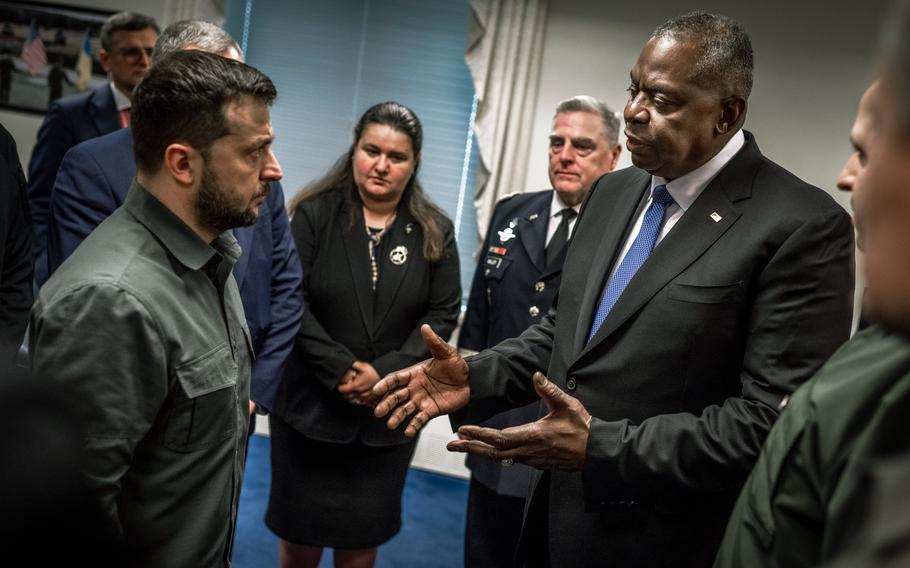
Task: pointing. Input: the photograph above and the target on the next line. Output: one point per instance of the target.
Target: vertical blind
(331, 60)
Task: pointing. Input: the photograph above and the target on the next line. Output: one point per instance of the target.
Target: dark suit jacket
(15, 253)
(93, 181)
(512, 290)
(685, 375)
(68, 122)
(346, 321)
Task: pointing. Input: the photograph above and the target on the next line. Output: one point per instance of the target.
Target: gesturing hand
(426, 390)
(556, 441)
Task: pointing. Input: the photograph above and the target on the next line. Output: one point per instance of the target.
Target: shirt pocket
(705, 294)
(205, 413)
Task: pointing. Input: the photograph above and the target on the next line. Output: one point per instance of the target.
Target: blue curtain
(332, 60)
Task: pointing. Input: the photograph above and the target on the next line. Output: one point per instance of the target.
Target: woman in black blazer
(379, 260)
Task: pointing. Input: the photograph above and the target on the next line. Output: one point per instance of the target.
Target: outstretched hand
(425, 390)
(556, 441)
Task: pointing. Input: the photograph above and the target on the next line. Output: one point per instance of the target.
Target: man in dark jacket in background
(16, 266)
(515, 282)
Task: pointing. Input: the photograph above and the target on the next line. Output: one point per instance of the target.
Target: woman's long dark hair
(340, 176)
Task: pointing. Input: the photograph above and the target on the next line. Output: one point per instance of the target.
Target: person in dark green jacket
(804, 501)
(144, 322)
(798, 506)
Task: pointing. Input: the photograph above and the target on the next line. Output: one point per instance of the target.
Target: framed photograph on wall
(47, 51)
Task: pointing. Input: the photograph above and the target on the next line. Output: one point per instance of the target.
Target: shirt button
(571, 384)
(534, 311)
(540, 286)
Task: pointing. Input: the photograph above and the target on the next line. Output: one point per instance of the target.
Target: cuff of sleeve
(600, 482)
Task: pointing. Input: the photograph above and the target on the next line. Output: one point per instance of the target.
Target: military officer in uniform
(515, 283)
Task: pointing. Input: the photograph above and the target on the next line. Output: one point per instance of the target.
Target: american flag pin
(716, 216)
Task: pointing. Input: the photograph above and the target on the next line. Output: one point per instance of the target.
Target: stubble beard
(215, 209)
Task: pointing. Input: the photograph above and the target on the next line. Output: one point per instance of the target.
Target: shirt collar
(121, 100)
(176, 236)
(557, 205)
(686, 189)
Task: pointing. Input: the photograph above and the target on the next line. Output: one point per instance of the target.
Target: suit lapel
(532, 232)
(712, 214)
(616, 221)
(399, 240)
(358, 257)
(103, 110)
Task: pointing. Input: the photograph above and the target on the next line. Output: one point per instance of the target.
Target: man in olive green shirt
(144, 321)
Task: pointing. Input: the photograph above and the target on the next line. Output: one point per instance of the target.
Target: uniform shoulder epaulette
(508, 196)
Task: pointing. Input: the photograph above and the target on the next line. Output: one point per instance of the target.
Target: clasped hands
(440, 386)
(356, 384)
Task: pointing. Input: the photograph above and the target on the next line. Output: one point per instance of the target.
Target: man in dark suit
(15, 253)
(126, 44)
(93, 181)
(701, 286)
(517, 276)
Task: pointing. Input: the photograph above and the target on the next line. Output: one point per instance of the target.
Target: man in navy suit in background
(515, 282)
(126, 44)
(93, 181)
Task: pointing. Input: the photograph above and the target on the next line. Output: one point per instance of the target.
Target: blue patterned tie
(637, 255)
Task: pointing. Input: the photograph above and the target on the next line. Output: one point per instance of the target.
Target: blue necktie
(637, 255)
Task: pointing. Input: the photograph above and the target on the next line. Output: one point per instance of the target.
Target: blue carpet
(433, 518)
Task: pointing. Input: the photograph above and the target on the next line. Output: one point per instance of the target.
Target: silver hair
(585, 103)
(726, 50)
(202, 35)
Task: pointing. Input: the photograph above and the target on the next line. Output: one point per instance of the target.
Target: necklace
(374, 237)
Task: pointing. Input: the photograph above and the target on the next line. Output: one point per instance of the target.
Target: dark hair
(585, 103)
(198, 33)
(726, 50)
(182, 99)
(340, 176)
(124, 21)
(895, 59)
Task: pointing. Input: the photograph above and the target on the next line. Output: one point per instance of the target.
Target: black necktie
(561, 236)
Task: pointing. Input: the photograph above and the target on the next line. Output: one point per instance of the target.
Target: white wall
(812, 63)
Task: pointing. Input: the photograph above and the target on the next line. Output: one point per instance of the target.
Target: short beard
(214, 208)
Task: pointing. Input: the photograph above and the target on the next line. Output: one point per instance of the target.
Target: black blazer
(740, 303)
(15, 253)
(345, 320)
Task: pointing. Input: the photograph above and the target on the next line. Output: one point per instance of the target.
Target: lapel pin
(716, 216)
(407, 229)
(399, 255)
(532, 217)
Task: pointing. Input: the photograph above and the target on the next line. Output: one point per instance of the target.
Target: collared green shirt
(144, 325)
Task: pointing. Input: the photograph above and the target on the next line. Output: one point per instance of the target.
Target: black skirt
(334, 495)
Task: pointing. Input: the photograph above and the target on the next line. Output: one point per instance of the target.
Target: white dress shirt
(684, 190)
(557, 205)
(122, 101)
